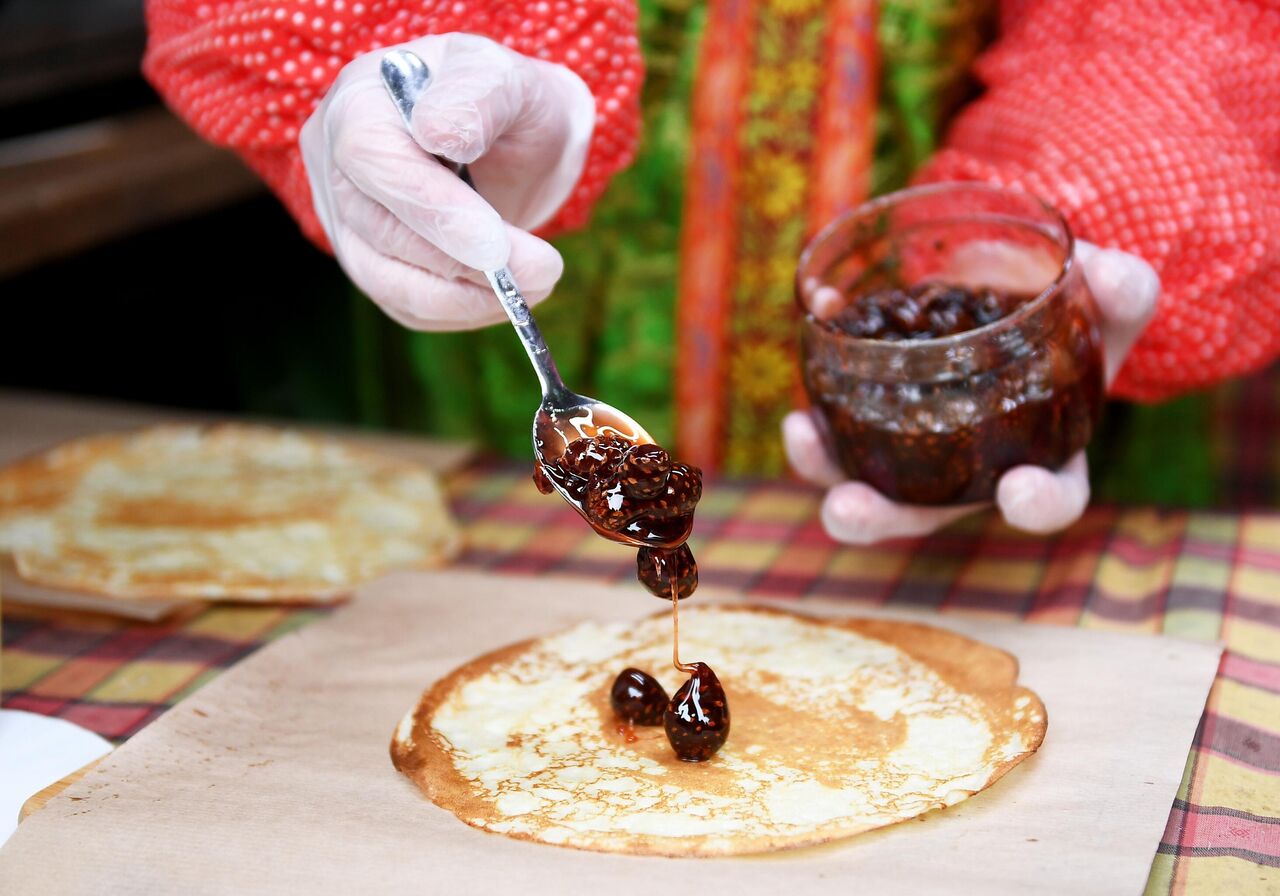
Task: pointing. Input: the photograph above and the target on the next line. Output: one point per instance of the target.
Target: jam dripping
(697, 717)
(637, 493)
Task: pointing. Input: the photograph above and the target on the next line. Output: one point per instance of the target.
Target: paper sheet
(275, 778)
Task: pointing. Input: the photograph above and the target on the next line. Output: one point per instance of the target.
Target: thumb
(1041, 501)
(1127, 290)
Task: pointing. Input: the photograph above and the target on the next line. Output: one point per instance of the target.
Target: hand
(406, 230)
(1030, 498)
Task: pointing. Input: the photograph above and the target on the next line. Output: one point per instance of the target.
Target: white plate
(36, 751)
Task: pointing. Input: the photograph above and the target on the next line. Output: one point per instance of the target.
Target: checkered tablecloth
(1196, 575)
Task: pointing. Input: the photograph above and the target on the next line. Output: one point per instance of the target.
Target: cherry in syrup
(638, 698)
(697, 718)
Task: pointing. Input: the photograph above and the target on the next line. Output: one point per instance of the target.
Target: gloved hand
(406, 230)
(1030, 498)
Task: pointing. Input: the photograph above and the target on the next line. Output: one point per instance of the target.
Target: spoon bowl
(572, 416)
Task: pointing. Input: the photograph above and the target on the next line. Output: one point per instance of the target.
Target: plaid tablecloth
(1194, 575)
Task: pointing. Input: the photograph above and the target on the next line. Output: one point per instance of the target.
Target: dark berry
(586, 456)
(906, 315)
(697, 718)
(607, 507)
(861, 322)
(950, 311)
(637, 698)
(988, 308)
(656, 566)
(644, 470)
(927, 311)
(541, 481)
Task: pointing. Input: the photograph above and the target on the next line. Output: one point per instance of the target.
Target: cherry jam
(639, 491)
(637, 698)
(659, 570)
(948, 335)
(697, 718)
(929, 310)
(622, 488)
(939, 423)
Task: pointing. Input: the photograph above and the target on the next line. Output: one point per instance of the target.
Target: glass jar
(938, 420)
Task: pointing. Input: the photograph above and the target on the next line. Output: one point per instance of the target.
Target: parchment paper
(275, 778)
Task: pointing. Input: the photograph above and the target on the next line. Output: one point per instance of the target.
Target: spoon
(563, 415)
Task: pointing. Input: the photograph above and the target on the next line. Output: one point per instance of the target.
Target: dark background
(135, 262)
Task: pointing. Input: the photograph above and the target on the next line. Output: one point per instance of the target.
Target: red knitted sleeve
(246, 74)
(1155, 127)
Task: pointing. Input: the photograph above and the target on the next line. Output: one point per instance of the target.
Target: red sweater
(1154, 126)
(247, 74)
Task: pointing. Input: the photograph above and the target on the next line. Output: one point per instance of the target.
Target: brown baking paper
(275, 777)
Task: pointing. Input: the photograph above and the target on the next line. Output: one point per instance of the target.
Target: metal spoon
(563, 415)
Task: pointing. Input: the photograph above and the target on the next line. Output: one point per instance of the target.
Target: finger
(553, 134)
(1127, 290)
(535, 264)
(807, 451)
(477, 93)
(388, 235)
(371, 148)
(1038, 500)
(416, 298)
(501, 113)
(855, 513)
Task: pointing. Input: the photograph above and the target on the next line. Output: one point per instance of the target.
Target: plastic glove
(406, 230)
(1030, 498)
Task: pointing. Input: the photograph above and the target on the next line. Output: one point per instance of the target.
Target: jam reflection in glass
(947, 337)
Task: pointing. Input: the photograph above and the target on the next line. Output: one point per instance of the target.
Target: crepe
(229, 511)
(838, 727)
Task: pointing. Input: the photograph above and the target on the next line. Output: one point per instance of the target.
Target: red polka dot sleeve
(246, 74)
(1155, 127)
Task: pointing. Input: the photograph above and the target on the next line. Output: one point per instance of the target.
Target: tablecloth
(1199, 575)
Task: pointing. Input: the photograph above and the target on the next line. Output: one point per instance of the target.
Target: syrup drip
(675, 629)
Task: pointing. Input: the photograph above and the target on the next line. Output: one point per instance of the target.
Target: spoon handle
(405, 76)
(513, 302)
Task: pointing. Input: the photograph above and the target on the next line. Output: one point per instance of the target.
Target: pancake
(237, 512)
(838, 727)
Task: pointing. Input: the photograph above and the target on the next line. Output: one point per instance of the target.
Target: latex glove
(406, 230)
(1030, 498)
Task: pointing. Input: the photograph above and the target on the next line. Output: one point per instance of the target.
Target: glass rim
(888, 200)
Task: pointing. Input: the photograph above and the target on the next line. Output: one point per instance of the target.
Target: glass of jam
(947, 336)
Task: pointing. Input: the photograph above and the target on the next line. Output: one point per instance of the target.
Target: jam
(945, 430)
(636, 490)
(947, 336)
(929, 310)
(659, 569)
(625, 489)
(697, 718)
(637, 698)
